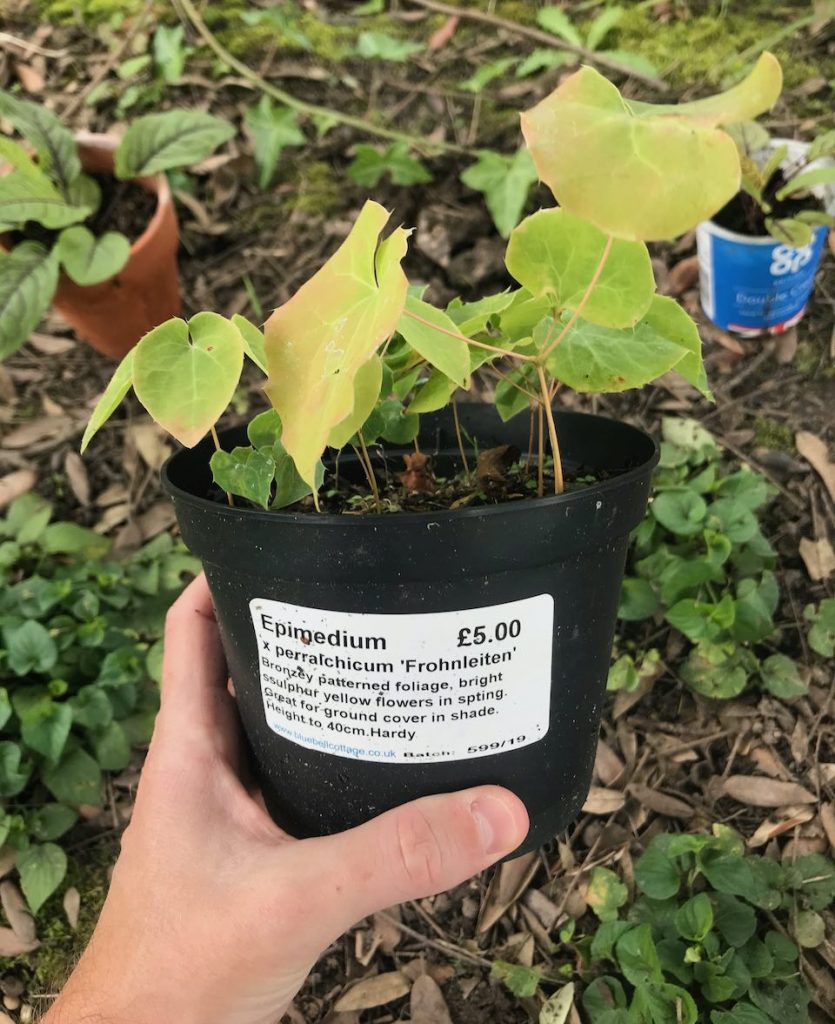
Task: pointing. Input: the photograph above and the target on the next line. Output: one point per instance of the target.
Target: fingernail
(499, 826)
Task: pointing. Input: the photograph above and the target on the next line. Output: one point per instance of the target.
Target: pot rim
(156, 183)
(375, 521)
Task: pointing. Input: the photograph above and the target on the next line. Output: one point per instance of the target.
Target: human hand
(214, 914)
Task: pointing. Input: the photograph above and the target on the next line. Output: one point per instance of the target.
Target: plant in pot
(89, 225)
(408, 604)
(759, 254)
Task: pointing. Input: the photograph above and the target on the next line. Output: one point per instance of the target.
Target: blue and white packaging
(755, 285)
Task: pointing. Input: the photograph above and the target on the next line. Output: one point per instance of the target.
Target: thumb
(413, 851)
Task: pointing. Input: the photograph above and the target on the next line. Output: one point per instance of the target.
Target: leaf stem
(417, 142)
(540, 455)
(216, 440)
(581, 305)
(513, 384)
(469, 341)
(559, 483)
(365, 458)
(460, 438)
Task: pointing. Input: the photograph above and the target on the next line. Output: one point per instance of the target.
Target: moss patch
(773, 435)
(316, 189)
(87, 12)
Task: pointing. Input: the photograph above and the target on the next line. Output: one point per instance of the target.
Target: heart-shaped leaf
(115, 391)
(317, 341)
(28, 278)
(433, 335)
(42, 868)
(555, 254)
(55, 146)
(175, 138)
(186, 373)
(253, 340)
(367, 384)
(638, 171)
(89, 260)
(247, 472)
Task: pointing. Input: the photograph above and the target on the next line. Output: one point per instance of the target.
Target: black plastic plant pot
(380, 658)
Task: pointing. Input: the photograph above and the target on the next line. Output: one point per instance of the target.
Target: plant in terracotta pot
(414, 596)
(759, 254)
(88, 223)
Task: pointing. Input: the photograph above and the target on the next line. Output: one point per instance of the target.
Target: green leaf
(54, 144)
(749, 136)
(25, 198)
(72, 539)
(13, 775)
(675, 168)
(789, 231)
(317, 341)
(51, 821)
(170, 52)
(823, 145)
(606, 893)
(808, 928)
(119, 385)
(716, 670)
(522, 981)
(755, 606)
(381, 46)
(554, 19)
(29, 648)
(554, 254)
(657, 875)
(253, 340)
(558, 1006)
(42, 868)
(434, 393)
(780, 676)
(5, 706)
(76, 779)
(367, 385)
(736, 921)
(637, 957)
(485, 74)
(45, 728)
(602, 25)
(370, 165)
(822, 631)
(637, 600)
(806, 181)
(89, 260)
(175, 138)
(543, 59)
(444, 348)
(742, 1013)
(782, 1003)
(246, 472)
(662, 1004)
(694, 919)
(681, 512)
(264, 429)
(272, 129)
(91, 708)
(186, 373)
(604, 995)
(505, 183)
(623, 675)
(28, 278)
(635, 61)
(289, 485)
(112, 748)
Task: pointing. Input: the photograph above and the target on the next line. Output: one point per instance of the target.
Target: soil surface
(125, 207)
(744, 215)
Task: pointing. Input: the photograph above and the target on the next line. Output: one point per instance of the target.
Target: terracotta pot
(114, 314)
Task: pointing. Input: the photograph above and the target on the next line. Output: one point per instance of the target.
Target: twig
(538, 36)
(7, 39)
(417, 142)
(448, 948)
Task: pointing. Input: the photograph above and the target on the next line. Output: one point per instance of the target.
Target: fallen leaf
(799, 742)
(558, 1007)
(493, 464)
(76, 473)
(49, 345)
(16, 911)
(112, 517)
(72, 906)
(768, 762)
(760, 792)
(608, 767)
(603, 801)
(376, 991)
(683, 276)
(14, 484)
(11, 945)
(149, 441)
(417, 476)
(157, 519)
(816, 453)
(386, 932)
(51, 407)
(427, 1003)
(828, 821)
(506, 886)
(661, 803)
(546, 911)
(817, 555)
(31, 80)
(441, 36)
(45, 428)
(112, 495)
(770, 829)
(785, 346)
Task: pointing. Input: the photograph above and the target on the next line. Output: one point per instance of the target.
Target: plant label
(441, 686)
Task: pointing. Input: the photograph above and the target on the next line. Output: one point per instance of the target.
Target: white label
(403, 688)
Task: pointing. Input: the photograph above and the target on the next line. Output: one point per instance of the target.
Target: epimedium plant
(80, 656)
(700, 561)
(356, 355)
(48, 203)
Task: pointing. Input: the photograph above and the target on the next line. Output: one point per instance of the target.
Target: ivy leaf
(29, 648)
(370, 164)
(264, 429)
(28, 279)
(736, 921)
(112, 748)
(780, 676)
(554, 254)
(317, 341)
(75, 780)
(117, 388)
(505, 183)
(247, 472)
(675, 168)
(663, 1003)
(175, 138)
(444, 348)
(272, 128)
(681, 512)
(381, 46)
(185, 373)
(55, 146)
(822, 629)
(89, 260)
(42, 868)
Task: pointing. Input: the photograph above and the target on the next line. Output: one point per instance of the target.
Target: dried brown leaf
(375, 991)
(683, 276)
(493, 464)
(49, 345)
(506, 886)
(441, 36)
(603, 801)
(76, 473)
(767, 761)
(72, 906)
(157, 519)
(16, 911)
(818, 557)
(12, 945)
(386, 933)
(608, 766)
(12, 485)
(785, 346)
(547, 912)
(45, 428)
(661, 803)
(417, 476)
(760, 792)
(816, 453)
(8, 859)
(427, 1003)
(31, 80)
(149, 440)
(770, 829)
(827, 816)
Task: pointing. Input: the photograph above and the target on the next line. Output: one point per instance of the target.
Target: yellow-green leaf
(638, 171)
(554, 254)
(367, 385)
(186, 373)
(317, 341)
(253, 340)
(115, 391)
(433, 335)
